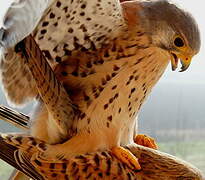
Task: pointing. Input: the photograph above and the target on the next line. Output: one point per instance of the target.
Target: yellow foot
(126, 157)
(144, 140)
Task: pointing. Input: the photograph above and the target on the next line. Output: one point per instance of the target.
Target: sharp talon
(146, 141)
(126, 157)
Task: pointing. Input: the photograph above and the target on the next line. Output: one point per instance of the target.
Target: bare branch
(15, 118)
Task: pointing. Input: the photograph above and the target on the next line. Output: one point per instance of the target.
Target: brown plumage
(100, 165)
(108, 58)
(155, 165)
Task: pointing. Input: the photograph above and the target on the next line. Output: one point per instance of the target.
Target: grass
(193, 152)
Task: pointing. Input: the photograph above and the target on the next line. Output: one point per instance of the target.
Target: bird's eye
(178, 42)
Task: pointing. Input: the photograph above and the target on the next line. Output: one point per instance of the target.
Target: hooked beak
(185, 61)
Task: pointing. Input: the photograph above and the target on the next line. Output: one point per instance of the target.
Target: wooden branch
(155, 165)
(17, 119)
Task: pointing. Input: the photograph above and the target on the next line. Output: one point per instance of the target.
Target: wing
(70, 25)
(17, 80)
(58, 103)
(66, 26)
(18, 21)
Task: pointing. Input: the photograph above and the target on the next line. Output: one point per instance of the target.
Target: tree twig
(17, 119)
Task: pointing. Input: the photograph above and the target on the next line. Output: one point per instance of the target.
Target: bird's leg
(146, 141)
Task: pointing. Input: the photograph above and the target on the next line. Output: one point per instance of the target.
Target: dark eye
(178, 42)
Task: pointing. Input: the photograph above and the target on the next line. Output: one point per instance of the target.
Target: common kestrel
(105, 58)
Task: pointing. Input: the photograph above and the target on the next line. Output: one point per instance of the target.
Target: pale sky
(196, 72)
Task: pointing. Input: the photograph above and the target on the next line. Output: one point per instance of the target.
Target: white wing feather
(20, 19)
(79, 22)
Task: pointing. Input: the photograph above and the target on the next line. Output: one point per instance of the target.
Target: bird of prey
(104, 59)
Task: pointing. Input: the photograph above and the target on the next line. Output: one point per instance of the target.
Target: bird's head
(171, 29)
